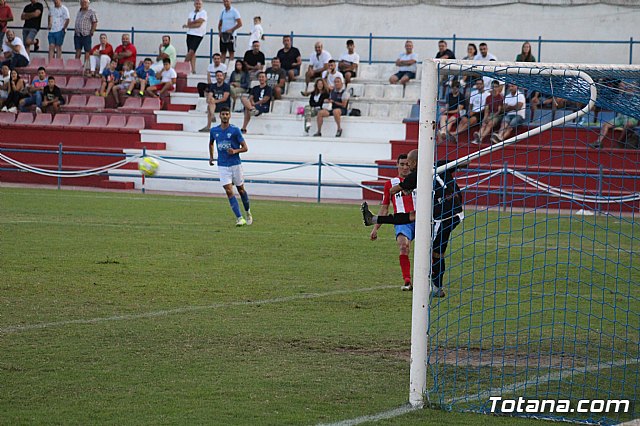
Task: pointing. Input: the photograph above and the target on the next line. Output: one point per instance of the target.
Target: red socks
(405, 266)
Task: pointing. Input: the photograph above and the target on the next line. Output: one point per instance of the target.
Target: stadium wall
(519, 21)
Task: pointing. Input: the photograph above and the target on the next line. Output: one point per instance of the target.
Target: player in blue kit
(230, 143)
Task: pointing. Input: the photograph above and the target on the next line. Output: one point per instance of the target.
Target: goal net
(542, 276)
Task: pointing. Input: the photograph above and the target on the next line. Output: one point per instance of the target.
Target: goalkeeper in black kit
(447, 214)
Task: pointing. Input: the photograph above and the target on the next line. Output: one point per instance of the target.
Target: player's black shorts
(442, 231)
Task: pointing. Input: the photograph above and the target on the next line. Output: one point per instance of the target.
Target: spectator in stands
(525, 55)
(229, 23)
(276, 78)
(492, 113)
(514, 110)
(51, 97)
(259, 101)
(125, 52)
(165, 51)
(329, 76)
(454, 111)
(257, 33)
(218, 96)
(58, 23)
(32, 17)
(317, 97)
(15, 54)
(212, 69)
(35, 92)
(318, 63)
(477, 103)
(239, 82)
(407, 65)
(484, 54)
(290, 58)
(254, 60)
(16, 92)
(620, 122)
(472, 51)
(110, 79)
(168, 77)
(85, 26)
(6, 16)
(5, 75)
(443, 51)
(349, 62)
(100, 56)
(127, 77)
(143, 74)
(196, 29)
(338, 100)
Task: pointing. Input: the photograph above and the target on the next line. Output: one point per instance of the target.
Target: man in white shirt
(196, 29)
(14, 52)
(477, 102)
(58, 23)
(484, 54)
(228, 25)
(349, 62)
(168, 77)
(515, 106)
(330, 75)
(318, 63)
(407, 64)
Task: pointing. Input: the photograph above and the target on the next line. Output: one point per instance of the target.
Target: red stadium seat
(135, 123)
(75, 82)
(74, 65)
(55, 65)
(183, 68)
(92, 83)
(61, 81)
(77, 101)
(35, 63)
(96, 102)
(98, 121)
(24, 118)
(42, 120)
(7, 118)
(61, 120)
(117, 122)
(133, 103)
(150, 104)
(79, 120)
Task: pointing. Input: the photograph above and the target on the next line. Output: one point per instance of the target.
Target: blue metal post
(211, 46)
(630, 50)
(539, 48)
(133, 37)
(319, 176)
(370, 47)
(59, 165)
(453, 43)
(600, 185)
(291, 38)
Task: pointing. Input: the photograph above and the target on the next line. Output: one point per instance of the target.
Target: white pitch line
(167, 312)
(400, 411)
(404, 409)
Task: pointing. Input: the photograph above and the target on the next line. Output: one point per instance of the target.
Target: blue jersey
(231, 137)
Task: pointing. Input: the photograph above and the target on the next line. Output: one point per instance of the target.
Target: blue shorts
(264, 108)
(82, 42)
(57, 38)
(408, 230)
(513, 120)
(409, 74)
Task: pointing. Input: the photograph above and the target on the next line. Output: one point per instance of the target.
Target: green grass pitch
(147, 309)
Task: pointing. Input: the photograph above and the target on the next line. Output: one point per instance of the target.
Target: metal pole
(319, 176)
(133, 36)
(59, 165)
(600, 185)
(453, 43)
(370, 47)
(422, 251)
(504, 186)
(539, 48)
(630, 50)
(144, 154)
(211, 46)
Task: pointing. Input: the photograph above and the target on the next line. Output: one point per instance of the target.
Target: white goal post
(432, 70)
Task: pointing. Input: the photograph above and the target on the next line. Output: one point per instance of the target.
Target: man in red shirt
(402, 203)
(492, 113)
(5, 16)
(126, 52)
